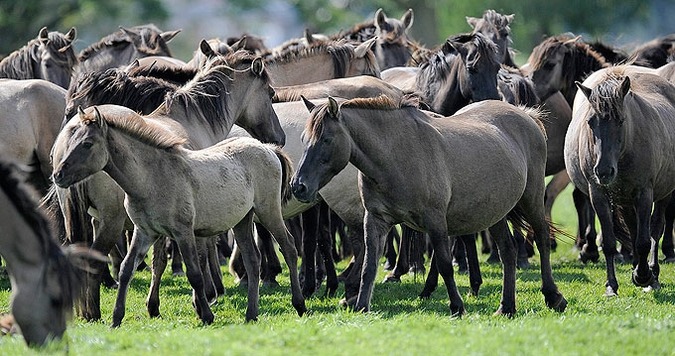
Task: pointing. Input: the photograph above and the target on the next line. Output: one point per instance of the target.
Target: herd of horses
(364, 130)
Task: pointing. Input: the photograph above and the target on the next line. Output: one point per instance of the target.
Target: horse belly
(220, 211)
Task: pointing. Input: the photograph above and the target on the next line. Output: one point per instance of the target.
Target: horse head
(495, 26)
(55, 57)
(80, 150)
(326, 153)
(605, 120)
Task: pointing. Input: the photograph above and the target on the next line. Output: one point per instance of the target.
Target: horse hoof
(610, 292)
(178, 273)
(560, 305)
(457, 311)
(425, 294)
(493, 260)
(390, 278)
(388, 266)
(669, 259)
(642, 281)
(652, 287)
(507, 312)
(271, 283)
(347, 303)
(523, 263)
(417, 270)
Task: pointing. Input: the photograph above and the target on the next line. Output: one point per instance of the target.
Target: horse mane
(211, 82)
(22, 198)
(18, 64)
(340, 52)
(115, 86)
(177, 76)
(511, 81)
(361, 32)
(137, 127)
(119, 39)
(314, 126)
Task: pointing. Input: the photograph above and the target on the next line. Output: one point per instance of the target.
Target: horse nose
(300, 190)
(606, 174)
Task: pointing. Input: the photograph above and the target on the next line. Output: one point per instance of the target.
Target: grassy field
(635, 322)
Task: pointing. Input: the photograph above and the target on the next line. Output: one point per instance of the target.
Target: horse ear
(407, 19)
(625, 87)
(472, 21)
(361, 50)
(206, 49)
(99, 119)
(333, 107)
(310, 105)
(308, 36)
(241, 44)
(572, 41)
(584, 89)
(43, 35)
(169, 35)
(380, 18)
(131, 35)
(71, 34)
(257, 66)
(80, 112)
(509, 18)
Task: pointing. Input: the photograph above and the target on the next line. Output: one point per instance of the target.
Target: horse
(320, 61)
(205, 110)
(392, 48)
(617, 151)
(43, 278)
(50, 57)
(463, 70)
(31, 112)
(192, 193)
(654, 53)
(496, 27)
(350, 87)
(122, 47)
(488, 144)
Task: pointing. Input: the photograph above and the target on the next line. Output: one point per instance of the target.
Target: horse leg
(271, 266)
(554, 187)
(667, 246)
(352, 273)
(494, 251)
(187, 244)
(390, 259)
(214, 266)
(475, 278)
(273, 222)
(506, 244)
(402, 262)
(376, 230)
(431, 282)
(243, 235)
(159, 262)
(602, 207)
(310, 222)
(586, 235)
(656, 229)
(326, 248)
(459, 257)
(176, 260)
(443, 246)
(642, 274)
(140, 244)
(207, 278)
(224, 248)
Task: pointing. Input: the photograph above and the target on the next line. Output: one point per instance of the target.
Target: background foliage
(629, 22)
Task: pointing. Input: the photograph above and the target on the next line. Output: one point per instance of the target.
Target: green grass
(635, 322)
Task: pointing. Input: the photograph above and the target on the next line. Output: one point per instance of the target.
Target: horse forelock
(606, 96)
(61, 49)
(497, 21)
(543, 51)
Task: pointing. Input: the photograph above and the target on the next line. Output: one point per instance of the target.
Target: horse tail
(78, 228)
(286, 173)
(538, 114)
(517, 219)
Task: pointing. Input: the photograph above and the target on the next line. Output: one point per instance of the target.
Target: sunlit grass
(635, 322)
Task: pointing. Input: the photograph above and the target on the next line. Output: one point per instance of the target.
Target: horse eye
(87, 145)
(549, 65)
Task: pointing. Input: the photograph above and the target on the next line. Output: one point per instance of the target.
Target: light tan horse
(173, 191)
(446, 176)
(31, 112)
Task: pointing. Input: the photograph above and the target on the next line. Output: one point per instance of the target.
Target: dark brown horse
(400, 151)
(50, 57)
(619, 151)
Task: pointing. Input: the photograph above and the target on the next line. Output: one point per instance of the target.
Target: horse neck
(448, 98)
(19, 65)
(131, 163)
(580, 63)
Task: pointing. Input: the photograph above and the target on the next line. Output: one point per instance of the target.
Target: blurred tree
(21, 20)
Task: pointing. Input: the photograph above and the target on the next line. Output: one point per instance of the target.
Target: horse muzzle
(302, 192)
(606, 174)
